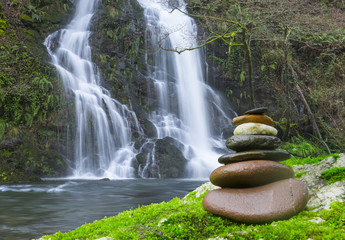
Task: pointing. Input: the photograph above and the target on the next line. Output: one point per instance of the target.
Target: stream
(30, 211)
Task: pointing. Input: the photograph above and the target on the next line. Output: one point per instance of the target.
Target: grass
(334, 174)
(186, 219)
(308, 160)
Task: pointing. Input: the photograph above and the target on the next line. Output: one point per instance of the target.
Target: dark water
(30, 211)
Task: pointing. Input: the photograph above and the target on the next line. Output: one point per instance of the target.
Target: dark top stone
(273, 155)
(252, 142)
(275, 201)
(250, 174)
(261, 110)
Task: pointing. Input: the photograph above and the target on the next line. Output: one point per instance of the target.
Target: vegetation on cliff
(29, 90)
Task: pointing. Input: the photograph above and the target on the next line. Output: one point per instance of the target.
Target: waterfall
(103, 132)
(188, 110)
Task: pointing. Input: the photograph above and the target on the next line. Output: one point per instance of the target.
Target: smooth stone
(252, 142)
(250, 174)
(253, 118)
(261, 110)
(255, 129)
(275, 201)
(273, 155)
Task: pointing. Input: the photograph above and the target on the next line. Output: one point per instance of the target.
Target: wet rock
(253, 118)
(255, 129)
(261, 110)
(273, 155)
(250, 174)
(321, 193)
(252, 142)
(275, 201)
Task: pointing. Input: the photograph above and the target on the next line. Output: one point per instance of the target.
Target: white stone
(161, 221)
(203, 188)
(317, 220)
(255, 129)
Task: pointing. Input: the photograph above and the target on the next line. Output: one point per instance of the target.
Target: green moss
(300, 174)
(186, 219)
(308, 160)
(25, 17)
(334, 174)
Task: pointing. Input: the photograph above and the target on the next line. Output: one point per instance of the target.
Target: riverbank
(185, 218)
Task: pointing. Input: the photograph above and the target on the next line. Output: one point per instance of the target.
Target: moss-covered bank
(185, 218)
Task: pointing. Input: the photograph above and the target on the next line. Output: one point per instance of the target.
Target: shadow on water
(32, 210)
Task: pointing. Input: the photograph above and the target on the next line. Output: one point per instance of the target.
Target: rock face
(255, 129)
(250, 174)
(275, 201)
(252, 142)
(255, 187)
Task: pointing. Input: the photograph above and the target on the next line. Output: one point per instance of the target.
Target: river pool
(29, 211)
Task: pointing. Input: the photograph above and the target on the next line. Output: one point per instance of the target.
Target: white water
(188, 109)
(103, 146)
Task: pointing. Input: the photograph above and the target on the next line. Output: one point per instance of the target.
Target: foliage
(308, 160)
(186, 219)
(334, 174)
(301, 147)
(26, 91)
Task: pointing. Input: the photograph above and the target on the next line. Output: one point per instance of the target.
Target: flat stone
(261, 110)
(273, 155)
(255, 129)
(252, 142)
(253, 118)
(250, 174)
(275, 201)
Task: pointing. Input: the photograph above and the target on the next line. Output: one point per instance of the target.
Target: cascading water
(188, 109)
(103, 146)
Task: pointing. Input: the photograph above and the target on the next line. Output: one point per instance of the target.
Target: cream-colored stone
(255, 129)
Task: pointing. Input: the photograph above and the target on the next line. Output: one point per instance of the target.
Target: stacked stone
(255, 187)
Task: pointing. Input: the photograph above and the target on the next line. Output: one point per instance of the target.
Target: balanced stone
(252, 142)
(275, 201)
(273, 155)
(261, 110)
(250, 174)
(253, 118)
(255, 129)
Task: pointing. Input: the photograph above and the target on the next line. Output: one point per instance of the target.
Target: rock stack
(255, 187)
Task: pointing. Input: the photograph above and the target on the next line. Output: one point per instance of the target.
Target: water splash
(188, 110)
(102, 145)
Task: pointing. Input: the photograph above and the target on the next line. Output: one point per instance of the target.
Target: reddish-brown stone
(275, 201)
(253, 118)
(250, 174)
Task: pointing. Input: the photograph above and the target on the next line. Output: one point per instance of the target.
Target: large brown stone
(275, 201)
(252, 142)
(253, 118)
(250, 174)
(273, 155)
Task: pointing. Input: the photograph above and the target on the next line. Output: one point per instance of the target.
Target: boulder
(273, 155)
(255, 129)
(250, 174)
(253, 118)
(252, 142)
(275, 201)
